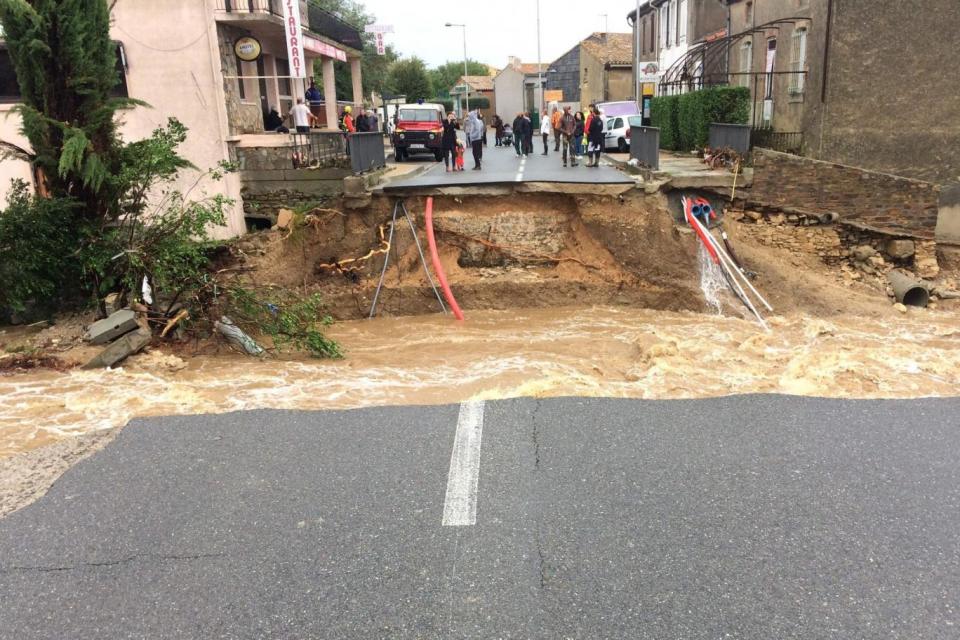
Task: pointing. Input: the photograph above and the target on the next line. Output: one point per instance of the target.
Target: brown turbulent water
(598, 351)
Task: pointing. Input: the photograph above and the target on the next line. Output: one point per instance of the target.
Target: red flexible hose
(437, 267)
(688, 214)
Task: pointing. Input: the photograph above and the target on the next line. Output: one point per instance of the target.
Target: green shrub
(664, 114)
(290, 320)
(697, 109)
(39, 266)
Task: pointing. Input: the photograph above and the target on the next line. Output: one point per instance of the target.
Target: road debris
(237, 337)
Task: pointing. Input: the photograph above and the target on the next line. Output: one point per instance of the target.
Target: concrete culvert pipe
(909, 290)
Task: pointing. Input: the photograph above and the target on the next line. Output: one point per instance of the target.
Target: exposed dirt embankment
(522, 251)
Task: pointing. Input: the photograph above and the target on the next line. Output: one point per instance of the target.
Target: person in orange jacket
(555, 116)
(346, 120)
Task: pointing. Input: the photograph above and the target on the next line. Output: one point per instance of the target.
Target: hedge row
(684, 120)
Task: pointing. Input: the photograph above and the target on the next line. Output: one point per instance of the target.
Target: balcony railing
(319, 21)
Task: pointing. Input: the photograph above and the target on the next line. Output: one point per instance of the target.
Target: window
(681, 21)
(651, 34)
(748, 14)
(746, 63)
(665, 26)
(770, 68)
(241, 90)
(798, 60)
(618, 124)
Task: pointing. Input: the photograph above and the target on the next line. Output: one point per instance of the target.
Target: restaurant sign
(293, 34)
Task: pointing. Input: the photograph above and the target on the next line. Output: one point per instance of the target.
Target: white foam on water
(712, 282)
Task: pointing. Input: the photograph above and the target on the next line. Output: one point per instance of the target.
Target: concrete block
(112, 327)
(354, 185)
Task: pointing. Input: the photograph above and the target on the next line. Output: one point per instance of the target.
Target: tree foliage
(65, 66)
(409, 77)
(446, 75)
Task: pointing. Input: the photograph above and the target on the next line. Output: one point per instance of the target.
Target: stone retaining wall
(876, 201)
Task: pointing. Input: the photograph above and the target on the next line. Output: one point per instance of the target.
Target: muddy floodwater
(599, 351)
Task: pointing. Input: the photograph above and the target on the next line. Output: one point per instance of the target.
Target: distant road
(760, 517)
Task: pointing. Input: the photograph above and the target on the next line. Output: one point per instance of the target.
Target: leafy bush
(289, 320)
(729, 105)
(52, 254)
(664, 114)
(38, 241)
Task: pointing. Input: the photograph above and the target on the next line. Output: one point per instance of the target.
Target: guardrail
(783, 141)
(317, 148)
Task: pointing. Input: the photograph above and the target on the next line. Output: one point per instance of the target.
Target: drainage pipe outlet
(909, 290)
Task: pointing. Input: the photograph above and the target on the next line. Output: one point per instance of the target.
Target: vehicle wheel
(622, 146)
(438, 155)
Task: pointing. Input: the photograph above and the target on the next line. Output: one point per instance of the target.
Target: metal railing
(784, 141)
(273, 7)
(318, 149)
(316, 20)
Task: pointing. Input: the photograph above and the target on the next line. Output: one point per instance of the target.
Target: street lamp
(539, 61)
(466, 87)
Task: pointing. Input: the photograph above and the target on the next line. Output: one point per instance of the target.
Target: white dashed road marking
(460, 504)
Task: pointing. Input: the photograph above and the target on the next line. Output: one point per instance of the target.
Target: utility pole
(466, 89)
(539, 60)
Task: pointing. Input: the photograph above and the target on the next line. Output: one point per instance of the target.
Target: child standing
(459, 160)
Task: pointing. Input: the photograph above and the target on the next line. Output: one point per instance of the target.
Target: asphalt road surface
(502, 166)
(760, 517)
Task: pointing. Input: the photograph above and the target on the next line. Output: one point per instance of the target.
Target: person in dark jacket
(274, 122)
(448, 141)
(519, 134)
(363, 123)
(528, 134)
(578, 131)
(498, 130)
(595, 139)
(568, 125)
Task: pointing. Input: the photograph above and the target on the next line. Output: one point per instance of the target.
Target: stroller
(507, 138)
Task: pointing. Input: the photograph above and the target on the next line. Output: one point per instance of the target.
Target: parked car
(617, 132)
(419, 129)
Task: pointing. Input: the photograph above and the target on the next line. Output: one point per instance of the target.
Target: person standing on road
(346, 120)
(567, 127)
(373, 120)
(498, 130)
(545, 127)
(518, 134)
(595, 138)
(528, 134)
(555, 124)
(449, 142)
(474, 131)
(578, 133)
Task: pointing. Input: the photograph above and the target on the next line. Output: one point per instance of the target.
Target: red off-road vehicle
(418, 130)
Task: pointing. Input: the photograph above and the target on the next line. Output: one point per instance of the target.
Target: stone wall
(876, 201)
(241, 118)
(517, 235)
(266, 192)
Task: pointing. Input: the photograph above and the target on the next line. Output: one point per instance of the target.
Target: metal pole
(466, 89)
(636, 61)
(539, 62)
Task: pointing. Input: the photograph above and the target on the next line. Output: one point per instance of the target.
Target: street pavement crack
(536, 435)
(110, 563)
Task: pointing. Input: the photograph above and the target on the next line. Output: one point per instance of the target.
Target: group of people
(475, 132)
(575, 134)
(303, 117)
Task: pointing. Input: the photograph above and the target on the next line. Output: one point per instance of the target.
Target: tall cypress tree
(65, 65)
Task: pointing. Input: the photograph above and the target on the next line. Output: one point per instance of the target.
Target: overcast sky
(495, 28)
